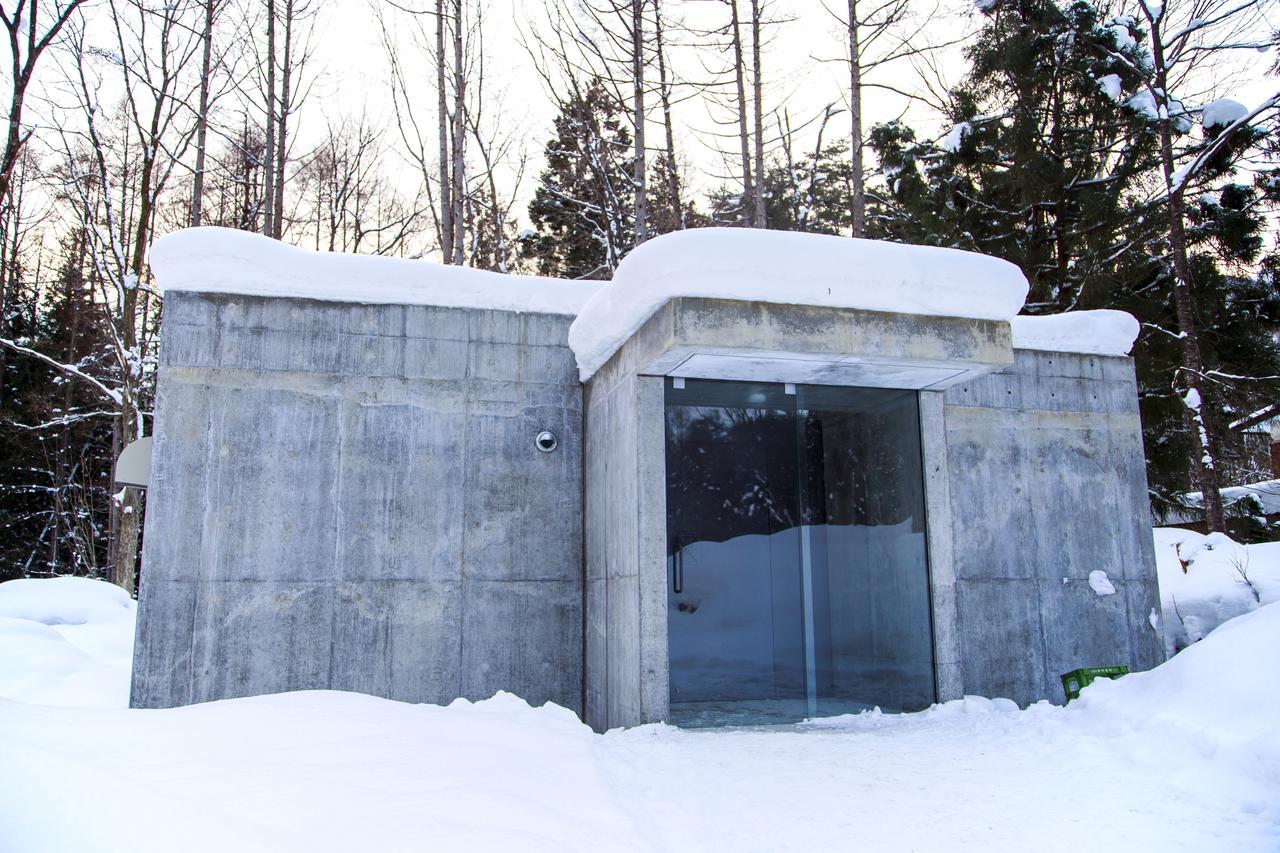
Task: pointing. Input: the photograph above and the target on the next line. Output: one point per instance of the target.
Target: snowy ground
(66, 641)
(1186, 757)
(1206, 580)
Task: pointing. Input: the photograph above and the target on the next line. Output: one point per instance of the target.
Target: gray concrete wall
(626, 529)
(349, 496)
(1046, 483)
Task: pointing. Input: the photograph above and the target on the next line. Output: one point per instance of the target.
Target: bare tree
(449, 49)
(202, 110)
(1185, 35)
(282, 88)
(30, 34)
(348, 200)
(93, 169)
(757, 108)
(665, 92)
(876, 33)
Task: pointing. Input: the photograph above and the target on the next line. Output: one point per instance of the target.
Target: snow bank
(1216, 700)
(1102, 332)
(1182, 758)
(1186, 757)
(223, 260)
(1207, 580)
(66, 641)
(309, 771)
(791, 268)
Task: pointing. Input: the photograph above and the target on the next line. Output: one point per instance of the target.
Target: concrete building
(712, 508)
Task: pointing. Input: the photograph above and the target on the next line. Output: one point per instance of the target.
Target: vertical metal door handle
(677, 569)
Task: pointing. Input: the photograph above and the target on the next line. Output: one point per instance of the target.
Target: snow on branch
(113, 396)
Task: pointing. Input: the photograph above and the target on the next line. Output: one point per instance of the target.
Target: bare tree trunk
(858, 198)
(664, 93)
(269, 154)
(446, 181)
(1203, 415)
(739, 68)
(637, 81)
(459, 136)
(202, 118)
(758, 107)
(282, 136)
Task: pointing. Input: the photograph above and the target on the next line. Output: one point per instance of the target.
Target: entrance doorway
(797, 567)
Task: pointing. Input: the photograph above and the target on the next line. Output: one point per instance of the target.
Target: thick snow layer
(791, 268)
(1206, 580)
(1111, 85)
(1101, 332)
(1186, 757)
(1222, 690)
(1182, 758)
(955, 137)
(1222, 112)
(222, 260)
(66, 641)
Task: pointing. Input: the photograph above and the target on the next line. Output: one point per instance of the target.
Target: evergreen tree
(812, 194)
(1039, 165)
(54, 497)
(583, 209)
(1050, 164)
(668, 210)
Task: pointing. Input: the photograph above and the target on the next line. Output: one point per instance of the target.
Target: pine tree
(1041, 159)
(811, 193)
(55, 498)
(583, 209)
(1049, 165)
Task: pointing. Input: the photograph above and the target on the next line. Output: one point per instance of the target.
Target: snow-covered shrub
(1207, 580)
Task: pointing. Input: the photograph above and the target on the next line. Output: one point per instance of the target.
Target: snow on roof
(730, 263)
(791, 268)
(1266, 493)
(1102, 332)
(223, 260)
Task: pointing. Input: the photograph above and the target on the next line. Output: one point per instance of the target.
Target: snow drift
(1207, 580)
(66, 641)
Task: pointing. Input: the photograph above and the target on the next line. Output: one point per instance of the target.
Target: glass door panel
(863, 508)
(735, 621)
(797, 570)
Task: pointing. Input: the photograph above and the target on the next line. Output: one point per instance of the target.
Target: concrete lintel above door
(766, 342)
(805, 369)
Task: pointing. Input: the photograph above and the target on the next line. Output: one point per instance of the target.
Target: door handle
(677, 569)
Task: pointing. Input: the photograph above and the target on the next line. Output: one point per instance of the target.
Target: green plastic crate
(1078, 679)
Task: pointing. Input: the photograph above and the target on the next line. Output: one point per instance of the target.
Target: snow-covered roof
(223, 260)
(791, 268)
(1102, 332)
(729, 263)
(1266, 493)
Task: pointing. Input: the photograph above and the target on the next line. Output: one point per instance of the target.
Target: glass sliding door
(796, 562)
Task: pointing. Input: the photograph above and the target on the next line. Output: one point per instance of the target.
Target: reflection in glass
(797, 564)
